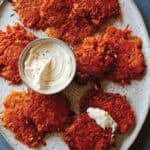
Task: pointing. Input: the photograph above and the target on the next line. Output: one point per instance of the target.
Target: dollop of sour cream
(102, 118)
(47, 65)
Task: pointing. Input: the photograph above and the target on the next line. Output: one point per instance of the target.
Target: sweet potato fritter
(115, 54)
(115, 104)
(85, 134)
(30, 115)
(14, 119)
(12, 42)
(71, 20)
(29, 13)
(74, 20)
(93, 59)
(129, 63)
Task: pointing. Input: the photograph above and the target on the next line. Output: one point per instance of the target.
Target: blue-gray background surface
(143, 140)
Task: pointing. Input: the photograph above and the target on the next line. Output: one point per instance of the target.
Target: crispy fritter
(115, 55)
(14, 119)
(117, 106)
(76, 19)
(30, 115)
(71, 20)
(12, 42)
(85, 134)
(93, 59)
(29, 13)
(129, 63)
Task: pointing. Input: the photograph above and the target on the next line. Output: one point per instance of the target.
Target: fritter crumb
(31, 115)
(12, 43)
(85, 134)
(117, 106)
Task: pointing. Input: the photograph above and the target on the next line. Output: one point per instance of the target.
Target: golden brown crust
(30, 115)
(84, 134)
(12, 43)
(115, 104)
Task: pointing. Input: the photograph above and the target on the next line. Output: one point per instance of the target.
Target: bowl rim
(26, 51)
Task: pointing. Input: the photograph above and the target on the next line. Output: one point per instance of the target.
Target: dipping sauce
(49, 66)
(102, 118)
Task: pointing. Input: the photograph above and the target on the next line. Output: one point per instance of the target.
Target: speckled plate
(138, 92)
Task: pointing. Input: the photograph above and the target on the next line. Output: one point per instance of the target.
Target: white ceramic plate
(138, 92)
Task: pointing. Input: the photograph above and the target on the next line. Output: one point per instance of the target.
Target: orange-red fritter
(129, 63)
(70, 20)
(30, 115)
(12, 42)
(80, 18)
(115, 55)
(87, 17)
(29, 13)
(117, 106)
(14, 119)
(93, 59)
(85, 134)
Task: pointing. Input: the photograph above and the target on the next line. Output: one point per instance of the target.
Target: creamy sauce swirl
(47, 65)
(102, 118)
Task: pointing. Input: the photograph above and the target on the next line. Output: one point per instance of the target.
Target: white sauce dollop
(102, 118)
(47, 65)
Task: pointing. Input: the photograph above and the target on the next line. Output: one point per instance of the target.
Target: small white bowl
(25, 53)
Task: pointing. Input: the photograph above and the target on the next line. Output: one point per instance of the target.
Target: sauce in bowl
(47, 65)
